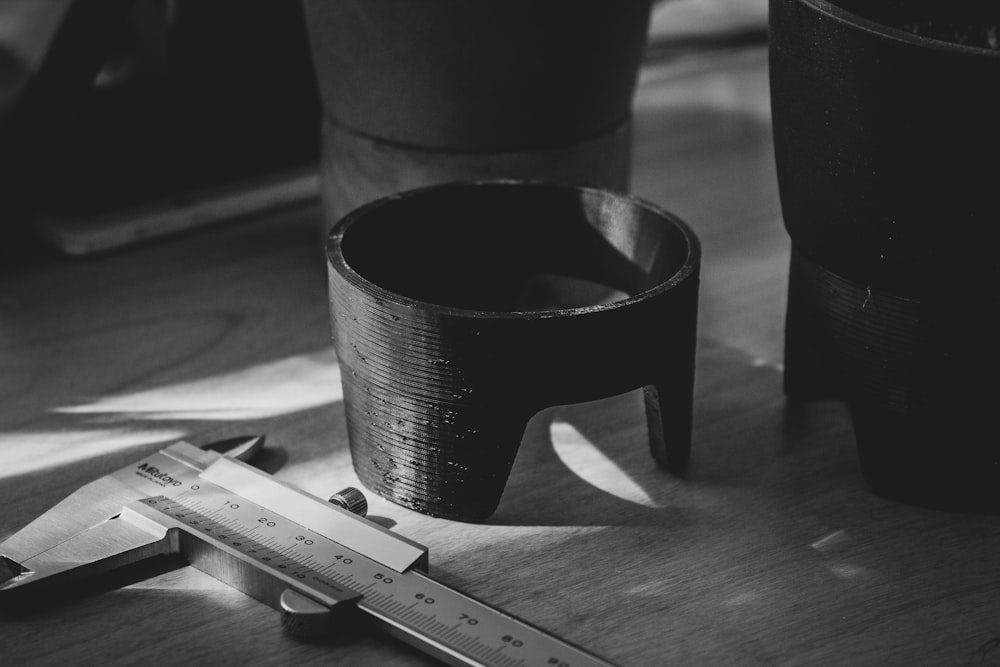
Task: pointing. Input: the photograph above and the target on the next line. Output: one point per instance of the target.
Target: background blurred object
(59, 54)
(26, 29)
(416, 94)
(190, 113)
(682, 26)
(178, 103)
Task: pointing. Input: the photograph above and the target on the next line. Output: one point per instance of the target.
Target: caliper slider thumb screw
(351, 500)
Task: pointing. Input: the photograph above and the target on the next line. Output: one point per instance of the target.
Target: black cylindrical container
(459, 311)
(886, 142)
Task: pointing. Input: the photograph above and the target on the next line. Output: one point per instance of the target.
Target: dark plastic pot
(419, 93)
(887, 148)
(484, 76)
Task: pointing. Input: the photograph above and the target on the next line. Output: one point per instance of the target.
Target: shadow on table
(589, 464)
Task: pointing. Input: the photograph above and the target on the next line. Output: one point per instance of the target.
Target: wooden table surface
(770, 550)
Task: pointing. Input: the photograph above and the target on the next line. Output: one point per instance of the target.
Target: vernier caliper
(317, 561)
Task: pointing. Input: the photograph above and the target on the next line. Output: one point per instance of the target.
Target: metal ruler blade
(410, 605)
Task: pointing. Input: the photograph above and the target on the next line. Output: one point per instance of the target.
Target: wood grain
(770, 551)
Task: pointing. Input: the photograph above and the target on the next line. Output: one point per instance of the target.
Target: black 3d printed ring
(458, 313)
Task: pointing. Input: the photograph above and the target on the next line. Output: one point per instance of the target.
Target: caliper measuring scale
(324, 567)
